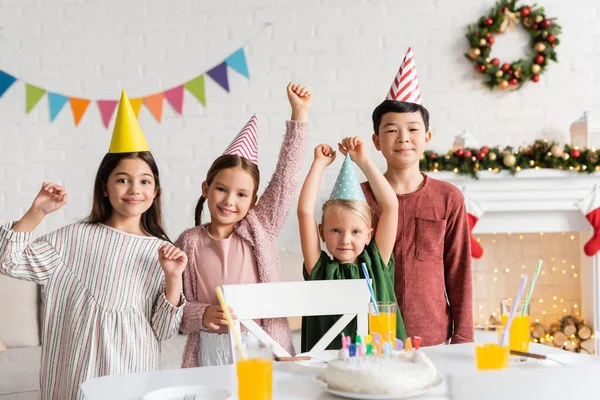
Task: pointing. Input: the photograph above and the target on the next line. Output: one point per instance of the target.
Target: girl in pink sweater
(239, 244)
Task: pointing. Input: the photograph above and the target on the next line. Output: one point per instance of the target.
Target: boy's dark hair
(398, 107)
(101, 207)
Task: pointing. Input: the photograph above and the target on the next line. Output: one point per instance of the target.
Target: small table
(291, 381)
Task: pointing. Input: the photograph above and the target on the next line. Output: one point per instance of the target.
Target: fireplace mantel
(537, 201)
(530, 201)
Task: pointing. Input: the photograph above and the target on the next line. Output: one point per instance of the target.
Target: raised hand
(172, 260)
(324, 155)
(50, 198)
(355, 147)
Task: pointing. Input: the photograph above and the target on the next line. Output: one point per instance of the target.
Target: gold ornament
(531, 163)
(474, 53)
(509, 160)
(499, 73)
(539, 47)
(528, 22)
(539, 19)
(565, 156)
(482, 42)
(436, 165)
(592, 156)
(518, 72)
(492, 156)
(535, 68)
(503, 84)
(556, 151)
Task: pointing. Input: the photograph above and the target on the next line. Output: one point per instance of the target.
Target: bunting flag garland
(153, 102)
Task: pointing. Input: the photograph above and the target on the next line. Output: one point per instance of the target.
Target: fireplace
(533, 215)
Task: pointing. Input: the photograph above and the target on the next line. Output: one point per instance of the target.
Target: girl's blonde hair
(359, 208)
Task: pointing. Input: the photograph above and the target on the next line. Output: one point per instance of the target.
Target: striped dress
(105, 310)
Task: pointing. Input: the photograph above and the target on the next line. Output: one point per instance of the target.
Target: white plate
(350, 395)
(319, 358)
(178, 393)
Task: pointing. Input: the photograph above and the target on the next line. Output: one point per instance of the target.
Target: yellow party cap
(127, 134)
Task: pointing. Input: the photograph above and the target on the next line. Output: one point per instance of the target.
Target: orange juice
(254, 379)
(491, 356)
(519, 332)
(384, 323)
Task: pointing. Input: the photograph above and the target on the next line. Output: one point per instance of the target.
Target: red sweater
(433, 262)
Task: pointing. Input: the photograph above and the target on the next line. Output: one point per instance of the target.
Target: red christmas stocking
(474, 212)
(590, 207)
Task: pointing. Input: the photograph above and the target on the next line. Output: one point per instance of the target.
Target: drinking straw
(513, 309)
(528, 298)
(368, 280)
(238, 342)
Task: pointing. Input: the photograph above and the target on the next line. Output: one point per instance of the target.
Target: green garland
(542, 154)
(543, 32)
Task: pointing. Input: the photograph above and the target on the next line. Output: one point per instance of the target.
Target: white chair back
(349, 298)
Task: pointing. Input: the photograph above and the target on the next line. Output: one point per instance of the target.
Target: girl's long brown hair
(224, 162)
(102, 209)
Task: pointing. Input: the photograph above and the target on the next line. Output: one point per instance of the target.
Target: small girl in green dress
(346, 230)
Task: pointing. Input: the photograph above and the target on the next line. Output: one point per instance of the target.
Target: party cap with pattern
(406, 85)
(245, 144)
(127, 134)
(347, 186)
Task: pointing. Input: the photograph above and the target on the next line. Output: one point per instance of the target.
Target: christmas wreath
(541, 154)
(543, 32)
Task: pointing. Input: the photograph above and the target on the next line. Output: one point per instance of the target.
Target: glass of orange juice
(488, 352)
(384, 323)
(519, 330)
(255, 373)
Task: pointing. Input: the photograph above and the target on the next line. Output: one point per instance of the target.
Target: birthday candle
(408, 344)
(358, 339)
(380, 348)
(344, 345)
(417, 342)
(369, 349)
(368, 339)
(376, 338)
(399, 345)
(361, 350)
(352, 350)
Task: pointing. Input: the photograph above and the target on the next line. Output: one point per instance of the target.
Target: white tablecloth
(291, 381)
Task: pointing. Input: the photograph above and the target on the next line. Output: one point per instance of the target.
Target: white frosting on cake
(402, 372)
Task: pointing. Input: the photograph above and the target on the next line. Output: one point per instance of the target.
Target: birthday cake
(389, 372)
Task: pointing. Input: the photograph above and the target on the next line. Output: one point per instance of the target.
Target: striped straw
(513, 309)
(528, 298)
(368, 280)
(238, 342)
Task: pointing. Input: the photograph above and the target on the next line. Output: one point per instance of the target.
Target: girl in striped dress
(239, 244)
(112, 284)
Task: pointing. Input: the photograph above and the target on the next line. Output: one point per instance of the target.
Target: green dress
(382, 277)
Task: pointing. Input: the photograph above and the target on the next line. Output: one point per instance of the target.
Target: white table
(291, 381)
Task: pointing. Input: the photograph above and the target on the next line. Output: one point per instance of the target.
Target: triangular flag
(127, 134)
(347, 186)
(78, 106)
(237, 61)
(196, 87)
(56, 102)
(6, 81)
(175, 97)
(136, 105)
(107, 108)
(33, 94)
(154, 103)
(219, 75)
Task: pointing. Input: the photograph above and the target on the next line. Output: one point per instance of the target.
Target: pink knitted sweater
(260, 229)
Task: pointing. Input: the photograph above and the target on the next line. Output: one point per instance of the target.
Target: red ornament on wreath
(459, 152)
(468, 154)
(432, 156)
(575, 153)
(506, 14)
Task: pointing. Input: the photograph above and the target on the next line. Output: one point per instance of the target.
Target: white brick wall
(347, 52)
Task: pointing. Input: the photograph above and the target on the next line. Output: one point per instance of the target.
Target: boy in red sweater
(432, 252)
